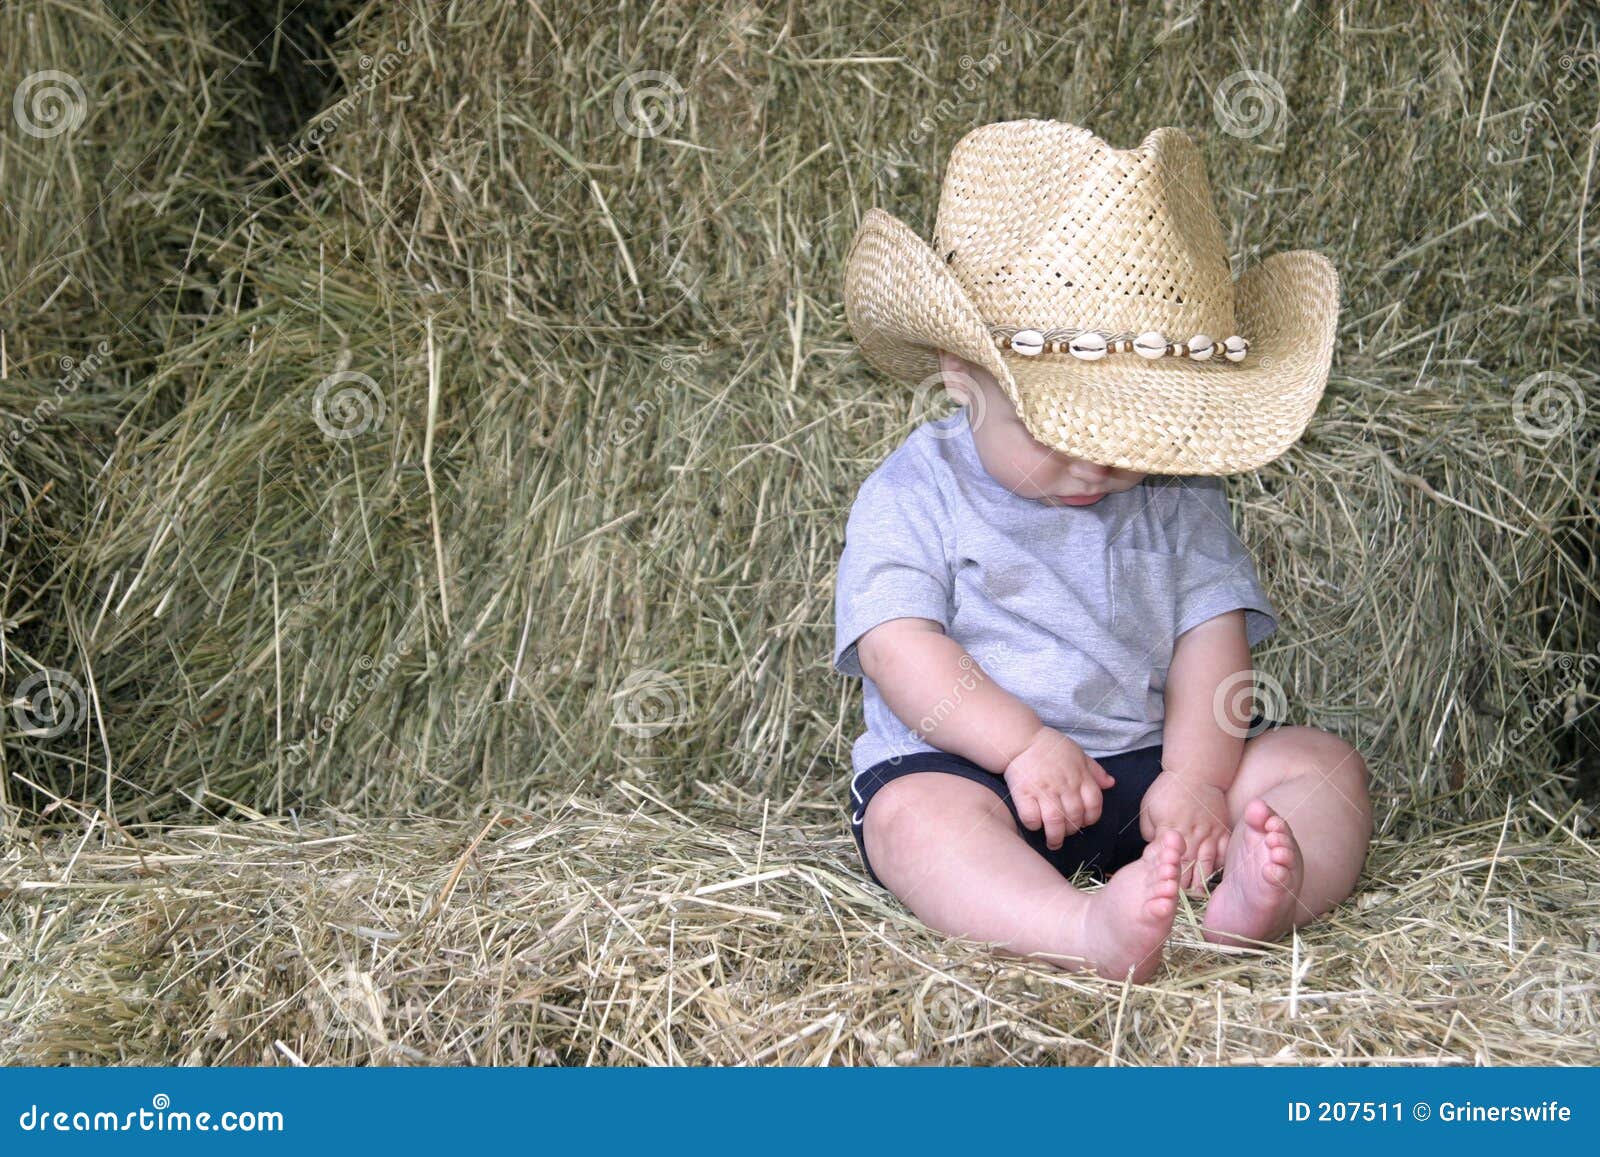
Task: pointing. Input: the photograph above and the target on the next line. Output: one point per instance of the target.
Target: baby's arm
(921, 673)
(1202, 739)
(1202, 743)
(939, 691)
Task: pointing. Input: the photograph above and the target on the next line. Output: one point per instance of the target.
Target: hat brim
(1166, 416)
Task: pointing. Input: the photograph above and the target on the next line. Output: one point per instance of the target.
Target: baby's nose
(1089, 471)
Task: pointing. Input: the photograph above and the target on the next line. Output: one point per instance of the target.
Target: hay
(575, 933)
(582, 534)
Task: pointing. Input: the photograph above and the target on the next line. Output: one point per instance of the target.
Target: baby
(1044, 592)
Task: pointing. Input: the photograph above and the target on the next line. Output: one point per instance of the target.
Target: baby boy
(1044, 592)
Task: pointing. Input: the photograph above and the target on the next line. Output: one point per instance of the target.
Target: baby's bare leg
(1303, 822)
(950, 850)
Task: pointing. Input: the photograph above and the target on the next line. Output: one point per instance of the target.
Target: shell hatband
(1093, 344)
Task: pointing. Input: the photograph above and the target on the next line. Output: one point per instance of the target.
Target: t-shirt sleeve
(895, 563)
(1215, 572)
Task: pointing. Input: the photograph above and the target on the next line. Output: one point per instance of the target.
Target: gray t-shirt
(1073, 610)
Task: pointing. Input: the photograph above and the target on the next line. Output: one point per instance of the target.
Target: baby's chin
(1086, 498)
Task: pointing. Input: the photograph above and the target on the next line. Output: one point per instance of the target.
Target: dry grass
(573, 932)
(590, 541)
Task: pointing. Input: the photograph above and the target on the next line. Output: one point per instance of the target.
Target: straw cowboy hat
(1093, 283)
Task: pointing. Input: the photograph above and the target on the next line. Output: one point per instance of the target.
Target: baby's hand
(1056, 786)
(1199, 811)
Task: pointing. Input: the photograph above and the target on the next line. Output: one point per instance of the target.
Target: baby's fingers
(1092, 803)
(1101, 776)
(1072, 808)
(1205, 861)
(1028, 811)
(1055, 823)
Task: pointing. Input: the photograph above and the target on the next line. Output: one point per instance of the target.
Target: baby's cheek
(1033, 471)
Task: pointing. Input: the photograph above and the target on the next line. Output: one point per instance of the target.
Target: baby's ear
(957, 377)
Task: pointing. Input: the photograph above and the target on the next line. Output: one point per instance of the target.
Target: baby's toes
(1162, 907)
(1276, 873)
(1161, 892)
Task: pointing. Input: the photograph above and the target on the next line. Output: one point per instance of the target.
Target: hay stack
(589, 416)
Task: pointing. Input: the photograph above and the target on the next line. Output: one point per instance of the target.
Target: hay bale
(569, 932)
(614, 486)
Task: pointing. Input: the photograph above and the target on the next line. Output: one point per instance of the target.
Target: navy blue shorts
(1101, 848)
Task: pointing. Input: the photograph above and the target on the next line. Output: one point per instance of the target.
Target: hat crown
(1047, 226)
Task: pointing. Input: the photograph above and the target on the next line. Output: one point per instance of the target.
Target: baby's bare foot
(1125, 924)
(1261, 882)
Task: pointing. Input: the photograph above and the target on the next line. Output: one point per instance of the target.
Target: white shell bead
(1201, 347)
(1089, 347)
(1150, 345)
(1027, 342)
(1234, 348)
